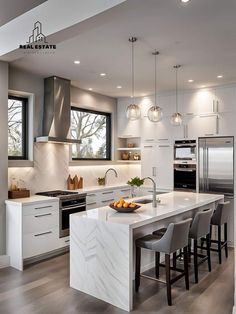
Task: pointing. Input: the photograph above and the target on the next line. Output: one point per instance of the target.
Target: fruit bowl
(124, 207)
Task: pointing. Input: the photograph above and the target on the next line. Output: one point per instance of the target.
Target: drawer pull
(163, 139)
(43, 215)
(109, 192)
(125, 190)
(149, 140)
(164, 145)
(50, 206)
(43, 233)
(105, 201)
(90, 195)
(67, 241)
(94, 203)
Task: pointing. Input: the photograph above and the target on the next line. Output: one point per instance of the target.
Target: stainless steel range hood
(56, 115)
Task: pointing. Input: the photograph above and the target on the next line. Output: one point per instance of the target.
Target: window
(17, 127)
(93, 128)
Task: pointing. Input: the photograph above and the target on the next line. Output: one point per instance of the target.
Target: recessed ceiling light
(102, 74)
(76, 62)
(119, 87)
(184, 1)
(219, 76)
(190, 81)
(90, 88)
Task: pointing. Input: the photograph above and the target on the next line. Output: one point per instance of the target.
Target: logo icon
(37, 34)
(37, 42)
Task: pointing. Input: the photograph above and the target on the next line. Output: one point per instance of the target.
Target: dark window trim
(108, 132)
(24, 101)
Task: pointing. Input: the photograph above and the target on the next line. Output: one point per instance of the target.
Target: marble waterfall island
(102, 243)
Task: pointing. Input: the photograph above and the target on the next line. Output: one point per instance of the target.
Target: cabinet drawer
(123, 193)
(41, 242)
(40, 208)
(39, 222)
(92, 197)
(92, 205)
(109, 194)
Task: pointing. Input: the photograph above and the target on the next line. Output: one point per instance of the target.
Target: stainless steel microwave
(185, 150)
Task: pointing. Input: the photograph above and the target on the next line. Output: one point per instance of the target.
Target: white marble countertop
(172, 203)
(31, 200)
(97, 188)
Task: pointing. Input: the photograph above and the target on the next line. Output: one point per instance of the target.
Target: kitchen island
(102, 243)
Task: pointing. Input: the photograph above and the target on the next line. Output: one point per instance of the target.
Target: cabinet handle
(125, 190)
(109, 192)
(147, 146)
(164, 145)
(154, 171)
(89, 195)
(43, 215)
(213, 105)
(150, 140)
(105, 201)
(89, 204)
(67, 241)
(163, 139)
(43, 207)
(209, 134)
(43, 233)
(217, 124)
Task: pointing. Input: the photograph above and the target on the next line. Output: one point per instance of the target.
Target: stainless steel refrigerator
(216, 170)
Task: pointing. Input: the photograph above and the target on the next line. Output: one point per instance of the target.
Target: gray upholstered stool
(175, 237)
(220, 217)
(200, 228)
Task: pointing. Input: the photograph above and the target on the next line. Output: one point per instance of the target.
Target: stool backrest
(201, 224)
(221, 214)
(175, 237)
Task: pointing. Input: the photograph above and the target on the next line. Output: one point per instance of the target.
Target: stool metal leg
(137, 268)
(195, 261)
(157, 262)
(186, 267)
(225, 240)
(168, 283)
(174, 260)
(219, 244)
(208, 242)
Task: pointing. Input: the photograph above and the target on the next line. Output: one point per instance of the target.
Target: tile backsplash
(51, 170)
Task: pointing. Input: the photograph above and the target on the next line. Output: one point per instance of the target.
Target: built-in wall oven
(69, 203)
(185, 165)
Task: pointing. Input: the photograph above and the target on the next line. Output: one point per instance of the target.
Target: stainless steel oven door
(64, 217)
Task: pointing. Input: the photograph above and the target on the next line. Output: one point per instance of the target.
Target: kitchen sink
(144, 201)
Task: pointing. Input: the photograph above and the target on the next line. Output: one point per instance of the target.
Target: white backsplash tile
(51, 170)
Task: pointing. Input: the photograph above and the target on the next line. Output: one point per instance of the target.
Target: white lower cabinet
(32, 230)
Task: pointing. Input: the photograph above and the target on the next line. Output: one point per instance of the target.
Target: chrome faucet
(154, 196)
(110, 169)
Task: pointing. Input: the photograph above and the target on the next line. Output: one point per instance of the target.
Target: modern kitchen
(117, 156)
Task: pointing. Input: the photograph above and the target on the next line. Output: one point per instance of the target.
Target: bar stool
(175, 237)
(200, 228)
(220, 217)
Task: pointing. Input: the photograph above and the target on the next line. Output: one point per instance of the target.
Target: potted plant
(135, 182)
(101, 181)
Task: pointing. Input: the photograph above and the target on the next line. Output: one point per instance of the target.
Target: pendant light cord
(155, 79)
(132, 65)
(176, 88)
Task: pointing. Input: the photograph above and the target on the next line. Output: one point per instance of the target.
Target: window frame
(108, 116)
(25, 113)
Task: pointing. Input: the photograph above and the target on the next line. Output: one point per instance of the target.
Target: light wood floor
(44, 288)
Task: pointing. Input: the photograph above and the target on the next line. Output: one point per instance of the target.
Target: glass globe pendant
(133, 111)
(176, 118)
(155, 112)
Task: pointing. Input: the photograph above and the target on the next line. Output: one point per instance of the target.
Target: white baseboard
(4, 261)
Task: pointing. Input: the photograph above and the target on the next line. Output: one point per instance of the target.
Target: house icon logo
(37, 42)
(37, 35)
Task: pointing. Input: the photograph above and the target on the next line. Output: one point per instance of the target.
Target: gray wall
(22, 81)
(3, 151)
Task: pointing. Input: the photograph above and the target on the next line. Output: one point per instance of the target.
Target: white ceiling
(10, 9)
(201, 36)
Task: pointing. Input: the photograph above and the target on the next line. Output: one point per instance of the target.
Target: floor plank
(44, 289)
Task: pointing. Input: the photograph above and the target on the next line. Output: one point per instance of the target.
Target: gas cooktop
(56, 193)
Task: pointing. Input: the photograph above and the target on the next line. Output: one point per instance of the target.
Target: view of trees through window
(16, 127)
(93, 129)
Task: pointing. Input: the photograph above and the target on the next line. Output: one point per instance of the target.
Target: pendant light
(133, 111)
(155, 112)
(176, 118)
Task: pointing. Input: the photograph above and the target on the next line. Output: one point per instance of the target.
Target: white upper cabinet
(149, 161)
(164, 172)
(201, 126)
(227, 125)
(225, 98)
(199, 102)
(126, 128)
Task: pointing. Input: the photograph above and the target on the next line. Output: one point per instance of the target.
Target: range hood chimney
(56, 114)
